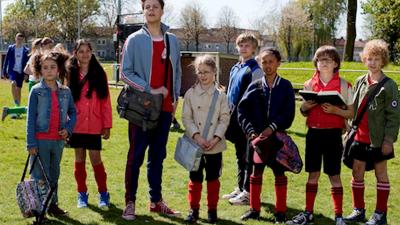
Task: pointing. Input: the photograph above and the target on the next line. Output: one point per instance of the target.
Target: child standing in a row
(325, 124)
(51, 119)
(376, 133)
(196, 105)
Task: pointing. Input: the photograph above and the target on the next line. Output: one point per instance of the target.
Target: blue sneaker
(83, 199)
(104, 199)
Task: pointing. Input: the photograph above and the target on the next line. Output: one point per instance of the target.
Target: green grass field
(175, 178)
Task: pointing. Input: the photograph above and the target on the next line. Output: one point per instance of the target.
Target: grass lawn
(175, 178)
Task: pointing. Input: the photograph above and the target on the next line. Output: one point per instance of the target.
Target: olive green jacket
(383, 112)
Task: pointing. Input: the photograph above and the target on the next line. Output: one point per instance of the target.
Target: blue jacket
(262, 106)
(9, 61)
(137, 60)
(240, 77)
(39, 108)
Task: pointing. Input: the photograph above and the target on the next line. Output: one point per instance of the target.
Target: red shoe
(162, 208)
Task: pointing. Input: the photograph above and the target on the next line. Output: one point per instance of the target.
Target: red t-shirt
(362, 134)
(158, 73)
(54, 126)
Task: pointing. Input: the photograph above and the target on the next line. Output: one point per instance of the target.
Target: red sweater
(93, 114)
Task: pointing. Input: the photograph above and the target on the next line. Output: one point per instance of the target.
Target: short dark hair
(273, 51)
(162, 3)
(331, 52)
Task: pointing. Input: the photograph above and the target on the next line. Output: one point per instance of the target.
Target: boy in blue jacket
(242, 74)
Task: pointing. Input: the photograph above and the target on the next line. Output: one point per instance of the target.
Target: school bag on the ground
(33, 196)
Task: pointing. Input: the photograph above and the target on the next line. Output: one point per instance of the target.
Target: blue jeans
(139, 140)
(50, 152)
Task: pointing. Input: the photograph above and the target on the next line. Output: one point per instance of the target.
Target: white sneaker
(241, 199)
(233, 194)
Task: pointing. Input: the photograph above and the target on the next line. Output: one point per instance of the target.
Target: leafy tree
(295, 32)
(385, 23)
(53, 18)
(324, 15)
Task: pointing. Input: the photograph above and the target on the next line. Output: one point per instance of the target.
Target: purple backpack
(288, 156)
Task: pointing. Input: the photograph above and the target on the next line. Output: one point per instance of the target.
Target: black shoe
(193, 216)
(358, 215)
(280, 218)
(212, 216)
(251, 214)
(54, 210)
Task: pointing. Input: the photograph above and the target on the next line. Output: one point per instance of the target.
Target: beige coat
(195, 110)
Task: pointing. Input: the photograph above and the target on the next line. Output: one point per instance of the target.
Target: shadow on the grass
(63, 220)
(113, 215)
(291, 212)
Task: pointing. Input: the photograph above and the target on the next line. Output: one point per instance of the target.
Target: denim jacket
(39, 108)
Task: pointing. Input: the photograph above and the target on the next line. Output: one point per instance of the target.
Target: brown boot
(54, 210)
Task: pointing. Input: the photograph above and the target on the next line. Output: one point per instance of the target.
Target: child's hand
(387, 148)
(201, 141)
(161, 90)
(33, 151)
(267, 132)
(105, 133)
(63, 133)
(212, 143)
(328, 108)
(307, 105)
(252, 136)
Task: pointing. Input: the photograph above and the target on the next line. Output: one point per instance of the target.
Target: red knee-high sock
(311, 193)
(337, 198)
(194, 194)
(80, 176)
(212, 194)
(382, 196)
(280, 194)
(358, 188)
(101, 177)
(255, 192)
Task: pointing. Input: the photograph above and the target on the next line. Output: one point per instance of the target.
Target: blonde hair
(376, 47)
(247, 37)
(207, 60)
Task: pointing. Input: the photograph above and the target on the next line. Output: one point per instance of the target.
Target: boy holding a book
(325, 123)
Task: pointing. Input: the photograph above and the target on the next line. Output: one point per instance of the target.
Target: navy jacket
(9, 61)
(262, 106)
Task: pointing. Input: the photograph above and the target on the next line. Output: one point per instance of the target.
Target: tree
(351, 30)
(385, 23)
(227, 22)
(45, 16)
(324, 15)
(295, 31)
(193, 23)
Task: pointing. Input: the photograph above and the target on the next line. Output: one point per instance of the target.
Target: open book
(332, 97)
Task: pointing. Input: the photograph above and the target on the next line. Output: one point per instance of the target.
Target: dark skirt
(85, 141)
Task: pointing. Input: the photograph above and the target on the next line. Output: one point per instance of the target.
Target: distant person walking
(14, 64)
